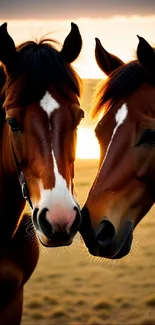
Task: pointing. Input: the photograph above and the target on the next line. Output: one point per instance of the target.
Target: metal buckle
(24, 191)
(24, 188)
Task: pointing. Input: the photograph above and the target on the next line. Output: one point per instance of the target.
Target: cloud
(73, 9)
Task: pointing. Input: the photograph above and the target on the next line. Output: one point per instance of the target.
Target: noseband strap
(22, 181)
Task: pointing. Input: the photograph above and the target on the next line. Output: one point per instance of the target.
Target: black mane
(119, 85)
(39, 66)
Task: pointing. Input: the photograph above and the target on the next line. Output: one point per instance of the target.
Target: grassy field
(69, 287)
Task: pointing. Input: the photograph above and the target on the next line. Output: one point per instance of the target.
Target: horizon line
(81, 18)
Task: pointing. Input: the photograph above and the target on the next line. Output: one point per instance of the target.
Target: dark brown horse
(124, 188)
(39, 115)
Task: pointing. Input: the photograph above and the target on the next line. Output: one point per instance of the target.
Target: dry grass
(150, 301)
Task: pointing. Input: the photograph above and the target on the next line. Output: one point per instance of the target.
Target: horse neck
(11, 200)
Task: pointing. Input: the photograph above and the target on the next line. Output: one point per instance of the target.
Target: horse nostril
(86, 229)
(44, 225)
(105, 233)
(76, 224)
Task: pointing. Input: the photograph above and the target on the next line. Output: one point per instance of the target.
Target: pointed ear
(106, 61)
(8, 53)
(72, 44)
(146, 55)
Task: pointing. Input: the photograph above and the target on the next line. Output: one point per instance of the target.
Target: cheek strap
(22, 180)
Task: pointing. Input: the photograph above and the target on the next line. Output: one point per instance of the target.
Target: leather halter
(22, 180)
(21, 177)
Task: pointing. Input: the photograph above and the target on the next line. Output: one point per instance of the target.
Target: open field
(69, 287)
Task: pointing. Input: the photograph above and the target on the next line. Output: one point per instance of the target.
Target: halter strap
(21, 178)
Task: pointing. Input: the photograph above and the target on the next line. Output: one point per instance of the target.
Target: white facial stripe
(121, 115)
(119, 118)
(59, 201)
(59, 180)
(49, 104)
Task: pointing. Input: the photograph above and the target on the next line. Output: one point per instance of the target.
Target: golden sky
(117, 34)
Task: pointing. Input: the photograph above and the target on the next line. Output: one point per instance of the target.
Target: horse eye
(82, 113)
(148, 138)
(13, 124)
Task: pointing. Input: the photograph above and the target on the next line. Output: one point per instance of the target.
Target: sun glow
(87, 144)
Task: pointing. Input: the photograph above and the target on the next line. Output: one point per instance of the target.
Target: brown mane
(123, 80)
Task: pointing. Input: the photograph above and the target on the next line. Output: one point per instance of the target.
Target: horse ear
(146, 55)
(106, 61)
(72, 44)
(8, 53)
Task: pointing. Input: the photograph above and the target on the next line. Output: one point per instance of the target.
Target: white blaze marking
(119, 118)
(59, 201)
(49, 104)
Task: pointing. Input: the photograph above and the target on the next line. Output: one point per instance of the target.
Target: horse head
(43, 111)
(124, 188)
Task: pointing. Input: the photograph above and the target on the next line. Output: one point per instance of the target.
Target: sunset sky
(73, 9)
(115, 22)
